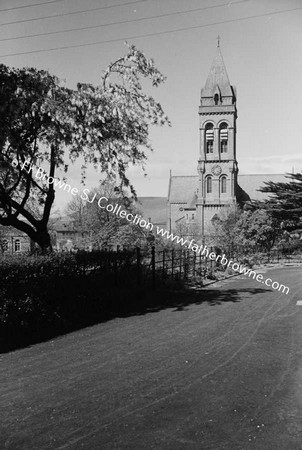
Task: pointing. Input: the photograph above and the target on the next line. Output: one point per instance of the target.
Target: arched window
(223, 137)
(223, 186)
(209, 137)
(216, 99)
(208, 185)
(4, 245)
(17, 245)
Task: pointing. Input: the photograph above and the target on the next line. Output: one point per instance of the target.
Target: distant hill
(154, 209)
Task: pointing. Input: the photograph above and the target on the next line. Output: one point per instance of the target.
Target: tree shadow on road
(184, 298)
(218, 297)
(107, 304)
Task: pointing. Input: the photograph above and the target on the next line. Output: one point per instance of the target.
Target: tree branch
(50, 196)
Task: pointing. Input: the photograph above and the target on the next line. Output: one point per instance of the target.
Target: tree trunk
(42, 238)
(38, 233)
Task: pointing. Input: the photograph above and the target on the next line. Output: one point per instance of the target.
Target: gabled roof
(8, 231)
(191, 204)
(182, 188)
(60, 224)
(251, 183)
(217, 77)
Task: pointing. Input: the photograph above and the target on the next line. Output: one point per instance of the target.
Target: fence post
(138, 265)
(153, 266)
(194, 264)
(180, 261)
(172, 263)
(211, 260)
(164, 259)
(206, 262)
(115, 269)
(200, 263)
(185, 264)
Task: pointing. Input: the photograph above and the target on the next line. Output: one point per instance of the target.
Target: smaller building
(66, 236)
(13, 241)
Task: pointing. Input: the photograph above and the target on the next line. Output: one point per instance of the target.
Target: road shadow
(104, 305)
(184, 298)
(215, 297)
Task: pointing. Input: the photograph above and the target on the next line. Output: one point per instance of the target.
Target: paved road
(222, 369)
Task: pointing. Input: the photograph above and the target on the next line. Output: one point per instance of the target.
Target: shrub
(42, 296)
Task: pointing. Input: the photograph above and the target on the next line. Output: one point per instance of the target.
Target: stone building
(196, 200)
(13, 241)
(64, 236)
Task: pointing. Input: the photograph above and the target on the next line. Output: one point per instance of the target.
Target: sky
(261, 43)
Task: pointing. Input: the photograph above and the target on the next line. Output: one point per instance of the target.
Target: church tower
(217, 164)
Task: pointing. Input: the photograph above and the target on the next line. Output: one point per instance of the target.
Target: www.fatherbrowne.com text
(103, 203)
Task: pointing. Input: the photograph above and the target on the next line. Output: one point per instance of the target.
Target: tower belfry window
(223, 137)
(209, 138)
(209, 146)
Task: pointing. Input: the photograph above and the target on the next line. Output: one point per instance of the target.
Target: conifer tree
(285, 201)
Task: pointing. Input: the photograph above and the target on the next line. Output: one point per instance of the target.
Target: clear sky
(263, 57)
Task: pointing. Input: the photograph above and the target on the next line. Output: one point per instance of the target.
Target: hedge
(43, 296)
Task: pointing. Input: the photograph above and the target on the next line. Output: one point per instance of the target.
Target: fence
(126, 268)
(177, 264)
(257, 256)
(138, 266)
(150, 266)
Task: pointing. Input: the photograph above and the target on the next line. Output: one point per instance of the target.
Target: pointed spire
(217, 77)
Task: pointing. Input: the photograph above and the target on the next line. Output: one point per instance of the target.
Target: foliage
(104, 228)
(223, 229)
(43, 296)
(285, 201)
(290, 243)
(44, 126)
(188, 230)
(246, 230)
(257, 229)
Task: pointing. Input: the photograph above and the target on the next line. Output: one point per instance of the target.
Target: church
(195, 201)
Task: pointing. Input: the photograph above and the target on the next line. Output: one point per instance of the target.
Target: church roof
(217, 77)
(251, 183)
(191, 203)
(182, 187)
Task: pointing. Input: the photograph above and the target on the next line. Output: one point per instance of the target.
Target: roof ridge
(261, 174)
(184, 176)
